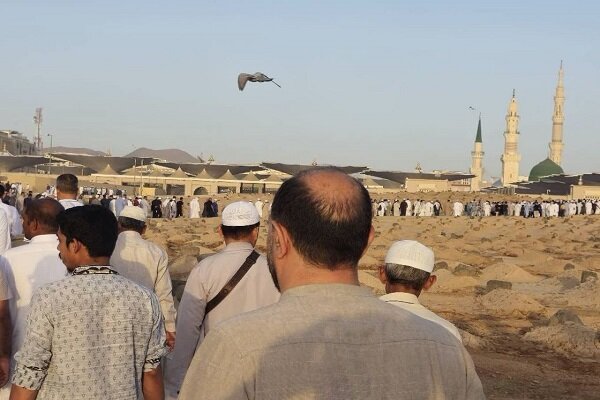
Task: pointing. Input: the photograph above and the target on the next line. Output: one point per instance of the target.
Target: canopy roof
(401, 177)
(97, 163)
(10, 163)
(293, 169)
(107, 170)
(214, 170)
(178, 174)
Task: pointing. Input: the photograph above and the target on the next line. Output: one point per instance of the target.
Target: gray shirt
(331, 342)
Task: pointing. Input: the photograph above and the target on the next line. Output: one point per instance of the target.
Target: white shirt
(146, 264)
(410, 302)
(5, 241)
(69, 203)
(255, 290)
(14, 219)
(28, 267)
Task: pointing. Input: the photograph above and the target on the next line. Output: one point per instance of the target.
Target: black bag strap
(229, 286)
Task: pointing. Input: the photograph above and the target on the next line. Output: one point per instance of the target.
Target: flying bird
(471, 108)
(257, 77)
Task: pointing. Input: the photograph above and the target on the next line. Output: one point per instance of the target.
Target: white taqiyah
(133, 212)
(411, 253)
(240, 213)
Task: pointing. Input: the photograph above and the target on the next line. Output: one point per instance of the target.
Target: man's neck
(312, 275)
(398, 288)
(66, 196)
(91, 261)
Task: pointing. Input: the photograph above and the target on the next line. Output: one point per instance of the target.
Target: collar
(234, 246)
(327, 290)
(400, 297)
(44, 238)
(131, 234)
(93, 270)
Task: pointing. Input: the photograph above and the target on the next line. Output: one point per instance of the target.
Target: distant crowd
(87, 309)
(484, 208)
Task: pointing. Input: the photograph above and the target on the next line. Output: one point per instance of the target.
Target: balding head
(39, 217)
(327, 215)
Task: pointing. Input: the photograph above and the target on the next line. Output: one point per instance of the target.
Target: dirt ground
(520, 348)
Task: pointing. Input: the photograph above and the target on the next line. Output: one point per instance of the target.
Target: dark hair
(406, 276)
(45, 212)
(2, 190)
(238, 232)
(94, 226)
(325, 228)
(131, 224)
(67, 183)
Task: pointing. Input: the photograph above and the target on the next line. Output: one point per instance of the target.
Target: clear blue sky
(382, 83)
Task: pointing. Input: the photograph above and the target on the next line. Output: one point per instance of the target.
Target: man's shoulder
(364, 321)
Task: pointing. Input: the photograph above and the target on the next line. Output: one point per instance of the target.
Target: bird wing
(260, 77)
(242, 79)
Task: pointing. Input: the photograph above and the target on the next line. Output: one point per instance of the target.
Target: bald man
(327, 338)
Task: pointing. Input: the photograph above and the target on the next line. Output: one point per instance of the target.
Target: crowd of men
(86, 307)
(484, 208)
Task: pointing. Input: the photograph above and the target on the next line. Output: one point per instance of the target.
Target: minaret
(510, 159)
(556, 145)
(476, 161)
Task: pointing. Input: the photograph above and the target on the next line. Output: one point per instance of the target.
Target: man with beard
(327, 338)
(239, 229)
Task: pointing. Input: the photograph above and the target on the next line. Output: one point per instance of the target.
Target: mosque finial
(513, 93)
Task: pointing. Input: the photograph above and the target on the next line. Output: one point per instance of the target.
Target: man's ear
(430, 282)
(382, 276)
(75, 246)
(220, 232)
(282, 241)
(370, 240)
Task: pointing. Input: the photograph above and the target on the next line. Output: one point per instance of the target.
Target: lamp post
(50, 167)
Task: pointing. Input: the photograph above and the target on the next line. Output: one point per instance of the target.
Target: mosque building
(552, 164)
(511, 158)
(477, 160)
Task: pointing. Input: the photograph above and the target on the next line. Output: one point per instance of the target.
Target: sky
(383, 84)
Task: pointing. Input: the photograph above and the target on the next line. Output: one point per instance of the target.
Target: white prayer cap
(240, 213)
(133, 212)
(412, 254)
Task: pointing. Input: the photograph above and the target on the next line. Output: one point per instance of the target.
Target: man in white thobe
(194, 208)
(31, 266)
(408, 271)
(458, 208)
(144, 263)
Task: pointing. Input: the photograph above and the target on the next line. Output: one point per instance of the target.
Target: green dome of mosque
(544, 168)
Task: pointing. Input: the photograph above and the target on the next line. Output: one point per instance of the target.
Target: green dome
(544, 168)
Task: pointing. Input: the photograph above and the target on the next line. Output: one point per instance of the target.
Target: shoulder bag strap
(229, 286)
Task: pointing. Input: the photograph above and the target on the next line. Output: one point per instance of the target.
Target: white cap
(133, 212)
(240, 213)
(412, 254)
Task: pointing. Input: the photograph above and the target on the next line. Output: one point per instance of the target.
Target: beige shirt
(255, 290)
(331, 342)
(146, 264)
(410, 302)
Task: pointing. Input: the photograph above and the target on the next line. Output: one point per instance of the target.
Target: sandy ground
(520, 348)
